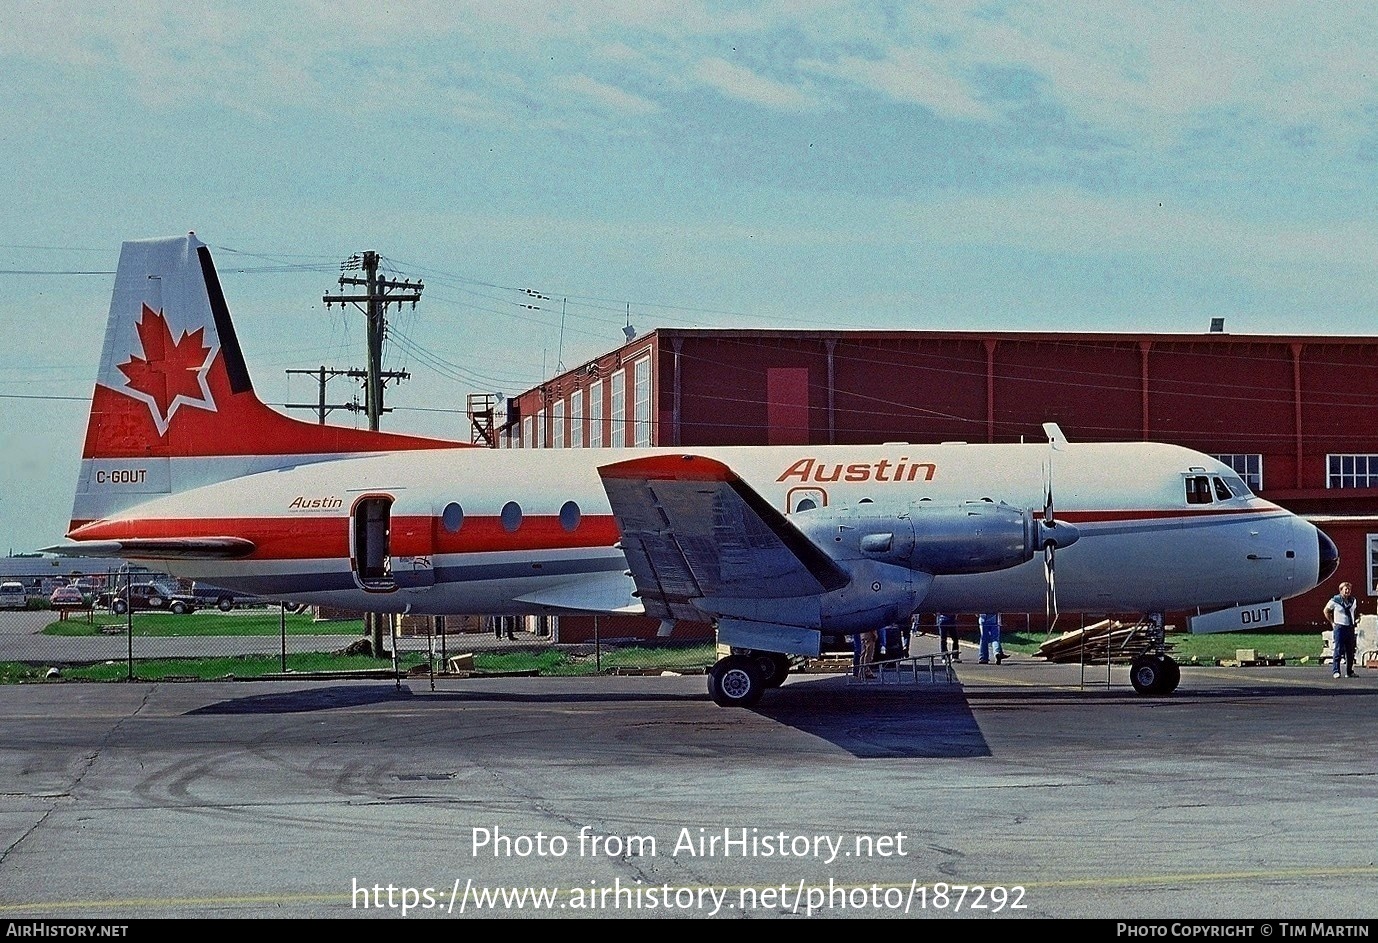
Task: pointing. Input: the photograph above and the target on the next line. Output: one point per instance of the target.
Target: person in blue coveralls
(990, 639)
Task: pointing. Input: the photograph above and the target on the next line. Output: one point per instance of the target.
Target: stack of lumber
(1105, 640)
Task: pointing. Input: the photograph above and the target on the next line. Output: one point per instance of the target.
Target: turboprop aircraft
(774, 546)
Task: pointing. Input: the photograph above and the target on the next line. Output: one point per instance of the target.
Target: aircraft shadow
(903, 721)
(328, 697)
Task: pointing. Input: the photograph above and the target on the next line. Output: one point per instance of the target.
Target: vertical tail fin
(174, 407)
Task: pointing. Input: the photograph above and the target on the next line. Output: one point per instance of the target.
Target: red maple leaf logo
(170, 371)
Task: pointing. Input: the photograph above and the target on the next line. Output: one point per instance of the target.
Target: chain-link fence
(116, 635)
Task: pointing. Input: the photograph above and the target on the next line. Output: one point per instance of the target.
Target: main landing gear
(741, 678)
(1155, 673)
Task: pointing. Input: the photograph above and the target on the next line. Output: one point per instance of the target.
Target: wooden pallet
(1107, 640)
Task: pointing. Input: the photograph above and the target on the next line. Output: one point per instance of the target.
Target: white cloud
(609, 96)
(911, 76)
(737, 82)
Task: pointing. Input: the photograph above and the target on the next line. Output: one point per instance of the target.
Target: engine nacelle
(971, 537)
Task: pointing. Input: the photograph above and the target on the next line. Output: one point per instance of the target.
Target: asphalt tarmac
(1021, 790)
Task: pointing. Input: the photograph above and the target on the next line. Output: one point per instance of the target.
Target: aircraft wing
(691, 528)
(158, 548)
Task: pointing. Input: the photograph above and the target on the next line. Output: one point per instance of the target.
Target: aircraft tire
(1149, 675)
(735, 681)
(1172, 675)
(774, 667)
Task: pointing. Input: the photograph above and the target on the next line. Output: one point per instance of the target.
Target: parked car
(67, 597)
(13, 595)
(223, 599)
(147, 597)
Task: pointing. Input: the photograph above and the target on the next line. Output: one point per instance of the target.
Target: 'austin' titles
(809, 469)
(300, 503)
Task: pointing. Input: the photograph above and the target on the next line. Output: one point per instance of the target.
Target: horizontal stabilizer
(692, 528)
(158, 548)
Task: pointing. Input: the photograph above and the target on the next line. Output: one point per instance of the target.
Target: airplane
(773, 546)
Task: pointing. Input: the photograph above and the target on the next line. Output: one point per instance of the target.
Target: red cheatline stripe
(307, 538)
(1106, 517)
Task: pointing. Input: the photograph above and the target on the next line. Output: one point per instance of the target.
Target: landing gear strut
(1155, 673)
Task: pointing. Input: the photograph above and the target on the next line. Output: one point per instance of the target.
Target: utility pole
(324, 374)
(378, 294)
(321, 407)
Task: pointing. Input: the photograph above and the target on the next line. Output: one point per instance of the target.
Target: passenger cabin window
(1198, 489)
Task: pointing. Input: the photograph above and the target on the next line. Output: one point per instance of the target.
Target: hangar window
(617, 433)
(641, 402)
(1198, 489)
(1249, 465)
(576, 419)
(1352, 471)
(596, 415)
(1373, 564)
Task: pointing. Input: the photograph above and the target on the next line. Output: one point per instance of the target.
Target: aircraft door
(369, 542)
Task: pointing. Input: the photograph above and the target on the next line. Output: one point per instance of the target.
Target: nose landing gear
(1155, 673)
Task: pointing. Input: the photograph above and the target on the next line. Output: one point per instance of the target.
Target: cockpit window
(1222, 493)
(1237, 486)
(1198, 489)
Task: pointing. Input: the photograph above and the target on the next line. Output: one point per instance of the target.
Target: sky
(810, 164)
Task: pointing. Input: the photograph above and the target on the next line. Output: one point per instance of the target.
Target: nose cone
(1329, 556)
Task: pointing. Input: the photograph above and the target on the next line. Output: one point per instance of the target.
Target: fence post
(129, 627)
(396, 668)
(597, 648)
(282, 624)
(430, 648)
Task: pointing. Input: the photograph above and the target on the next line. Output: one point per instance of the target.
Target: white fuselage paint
(1142, 547)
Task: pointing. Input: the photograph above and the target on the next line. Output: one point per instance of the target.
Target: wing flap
(692, 528)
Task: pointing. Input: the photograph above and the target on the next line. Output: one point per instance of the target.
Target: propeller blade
(1048, 491)
(1050, 574)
